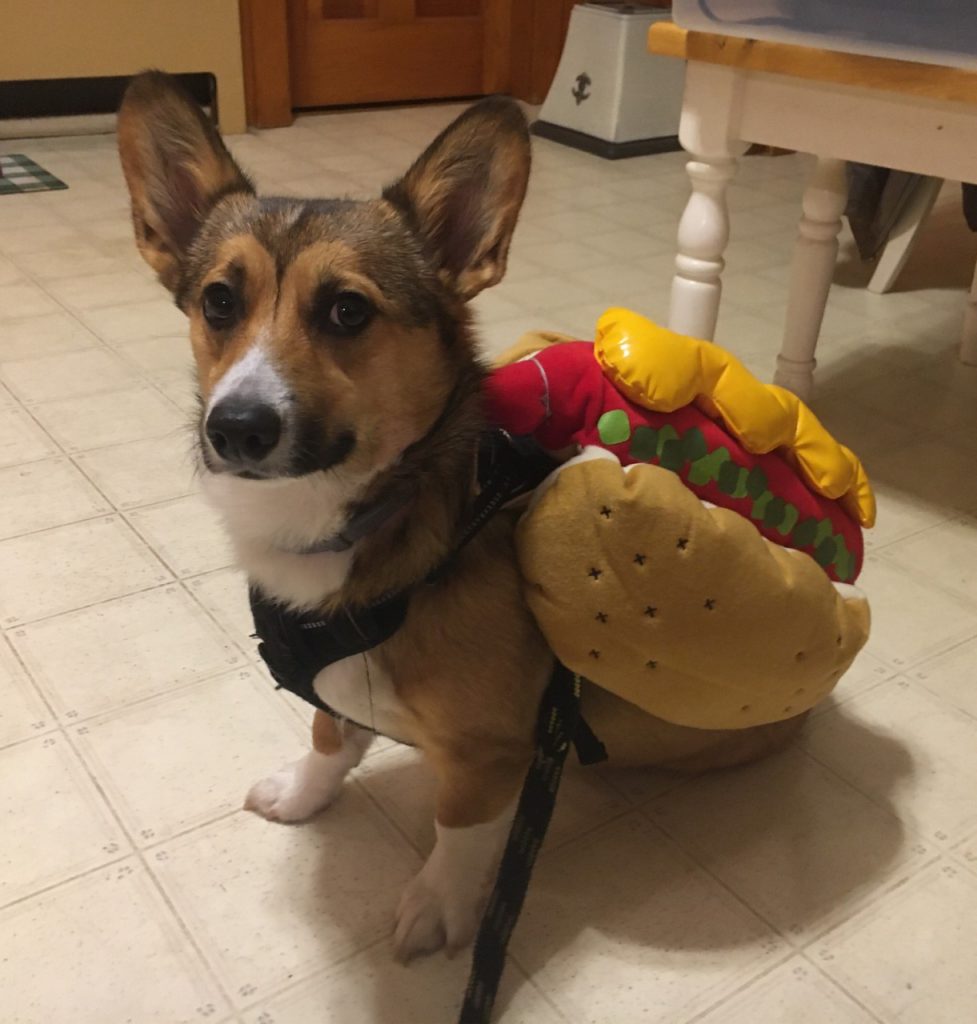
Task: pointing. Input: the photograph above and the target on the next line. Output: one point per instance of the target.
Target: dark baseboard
(71, 97)
(601, 147)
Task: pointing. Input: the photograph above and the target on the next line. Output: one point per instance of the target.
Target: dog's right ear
(465, 191)
(176, 168)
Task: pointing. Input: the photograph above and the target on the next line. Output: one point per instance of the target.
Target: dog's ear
(465, 192)
(176, 167)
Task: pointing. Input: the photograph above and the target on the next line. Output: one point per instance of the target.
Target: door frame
(521, 52)
(264, 50)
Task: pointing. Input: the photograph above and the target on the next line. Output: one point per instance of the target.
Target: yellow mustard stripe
(664, 371)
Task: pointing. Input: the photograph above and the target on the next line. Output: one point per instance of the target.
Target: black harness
(296, 647)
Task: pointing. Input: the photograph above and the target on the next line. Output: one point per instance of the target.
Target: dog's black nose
(243, 431)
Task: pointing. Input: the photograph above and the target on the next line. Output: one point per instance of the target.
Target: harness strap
(508, 467)
(364, 522)
(589, 748)
(296, 646)
(559, 716)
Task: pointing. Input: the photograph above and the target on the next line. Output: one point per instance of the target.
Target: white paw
(297, 792)
(430, 917)
(443, 904)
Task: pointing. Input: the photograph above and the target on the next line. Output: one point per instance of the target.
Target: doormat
(18, 173)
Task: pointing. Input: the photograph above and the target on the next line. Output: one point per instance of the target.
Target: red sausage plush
(562, 397)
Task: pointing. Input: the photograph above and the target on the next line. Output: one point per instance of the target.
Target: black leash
(559, 716)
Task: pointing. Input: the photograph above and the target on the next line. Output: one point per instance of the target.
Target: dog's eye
(219, 305)
(350, 312)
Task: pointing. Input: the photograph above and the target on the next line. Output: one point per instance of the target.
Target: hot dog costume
(696, 557)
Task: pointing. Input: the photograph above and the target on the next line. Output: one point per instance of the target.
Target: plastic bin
(931, 31)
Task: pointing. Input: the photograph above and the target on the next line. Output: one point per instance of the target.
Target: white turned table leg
(815, 254)
(703, 234)
(968, 343)
(709, 131)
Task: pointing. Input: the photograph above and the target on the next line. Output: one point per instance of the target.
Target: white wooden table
(838, 106)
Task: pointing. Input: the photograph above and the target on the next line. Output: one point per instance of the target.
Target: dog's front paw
(297, 792)
(432, 916)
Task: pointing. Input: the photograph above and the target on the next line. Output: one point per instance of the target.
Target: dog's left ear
(176, 166)
(464, 193)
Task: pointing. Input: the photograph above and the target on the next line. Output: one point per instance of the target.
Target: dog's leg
(311, 784)
(443, 903)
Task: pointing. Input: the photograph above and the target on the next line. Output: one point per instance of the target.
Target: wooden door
(374, 51)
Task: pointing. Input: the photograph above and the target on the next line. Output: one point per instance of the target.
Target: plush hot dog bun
(684, 610)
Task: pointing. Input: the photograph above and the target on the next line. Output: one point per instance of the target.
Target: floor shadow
(784, 805)
(622, 901)
(371, 983)
(887, 397)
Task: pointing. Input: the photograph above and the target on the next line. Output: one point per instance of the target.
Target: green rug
(19, 173)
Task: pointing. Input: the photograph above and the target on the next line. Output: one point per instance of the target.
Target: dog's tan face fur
(287, 273)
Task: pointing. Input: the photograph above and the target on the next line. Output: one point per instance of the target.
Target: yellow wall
(79, 38)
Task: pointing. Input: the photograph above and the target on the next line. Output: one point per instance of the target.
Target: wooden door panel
(371, 51)
(520, 46)
(349, 8)
(448, 8)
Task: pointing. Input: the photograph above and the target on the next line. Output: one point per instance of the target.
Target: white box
(610, 95)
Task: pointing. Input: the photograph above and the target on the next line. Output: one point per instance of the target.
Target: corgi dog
(339, 383)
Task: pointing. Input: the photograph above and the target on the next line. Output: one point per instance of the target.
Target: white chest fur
(267, 520)
(358, 689)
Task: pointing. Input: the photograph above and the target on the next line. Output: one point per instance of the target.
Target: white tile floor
(835, 884)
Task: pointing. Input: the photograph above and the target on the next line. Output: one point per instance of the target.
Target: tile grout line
(402, 832)
(150, 874)
(915, 682)
(186, 684)
(77, 316)
(327, 972)
(136, 849)
(21, 624)
(841, 988)
(910, 828)
(35, 687)
(789, 954)
(68, 880)
(88, 518)
(141, 378)
(698, 862)
(187, 581)
(164, 560)
(817, 936)
(817, 715)
(788, 948)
